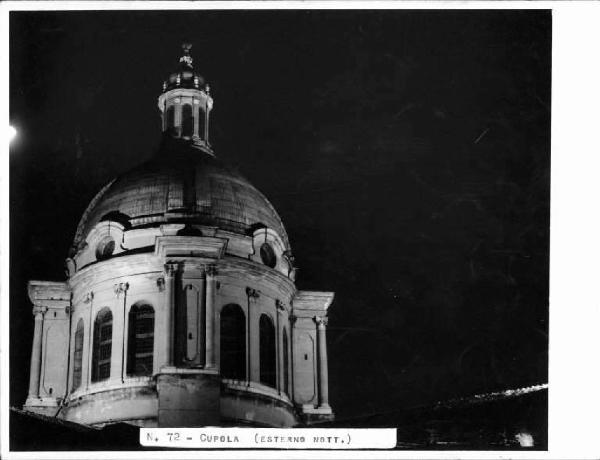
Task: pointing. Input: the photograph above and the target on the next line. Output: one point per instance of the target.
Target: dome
(184, 78)
(181, 184)
(193, 243)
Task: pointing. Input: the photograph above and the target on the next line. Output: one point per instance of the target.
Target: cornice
(128, 266)
(313, 300)
(43, 291)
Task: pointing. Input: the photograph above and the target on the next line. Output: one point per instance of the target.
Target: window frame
(77, 378)
(137, 313)
(267, 351)
(102, 345)
(239, 353)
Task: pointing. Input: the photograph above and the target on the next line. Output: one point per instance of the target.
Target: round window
(105, 248)
(267, 255)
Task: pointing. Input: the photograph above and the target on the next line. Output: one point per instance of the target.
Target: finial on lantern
(186, 58)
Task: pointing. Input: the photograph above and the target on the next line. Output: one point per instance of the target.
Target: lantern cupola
(185, 104)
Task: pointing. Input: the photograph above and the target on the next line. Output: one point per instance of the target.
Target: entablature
(50, 294)
(307, 303)
(110, 240)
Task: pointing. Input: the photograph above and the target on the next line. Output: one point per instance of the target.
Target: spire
(185, 103)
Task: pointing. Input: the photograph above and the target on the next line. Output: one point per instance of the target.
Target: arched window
(102, 345)
(140, 341)
(233, 342)
(77, 355)
(267, 351)
(187, 123)
(285, 369)
(170, 118)
(201, 123)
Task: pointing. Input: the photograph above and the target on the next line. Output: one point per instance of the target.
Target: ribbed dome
(181, 184)
(185, 77)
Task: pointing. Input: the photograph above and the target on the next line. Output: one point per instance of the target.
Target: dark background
(407, 152)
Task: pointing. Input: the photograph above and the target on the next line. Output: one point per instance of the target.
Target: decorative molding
(39, 310)
(279, 306)
(42, 292)
(266, 234)
(171, 269)
(129, 265)
(160, 282)
(313, 300)
(190, 246)
(121, 288)
(87, 298)
(171, 229)
(252, 293)
(321, 321)
(211, 270)
(290, 259)
(70, 266)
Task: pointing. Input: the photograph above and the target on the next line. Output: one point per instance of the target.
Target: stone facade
(185, 314)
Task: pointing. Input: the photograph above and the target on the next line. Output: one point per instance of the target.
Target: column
(206, 114)
(323, 376)
(252, 371)
(248, 327)
(292, 321)
(279, 347)
(36, 352)
(201, 330)
(196, 111)
(89, 332)
(178, 110)
(169, 316)
(211, 289)
(117, 362)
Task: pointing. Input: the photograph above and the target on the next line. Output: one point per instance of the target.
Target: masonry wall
(184, 335)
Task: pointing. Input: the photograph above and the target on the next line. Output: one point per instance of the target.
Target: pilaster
(280, 309)
(211, 288)
(252, 344)
(36, 352)
(117, 361)
(168, 324)
(322, 358)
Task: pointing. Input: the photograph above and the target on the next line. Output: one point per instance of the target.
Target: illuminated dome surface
(201, 263)
(181, 184)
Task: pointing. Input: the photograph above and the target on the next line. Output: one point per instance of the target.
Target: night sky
(407, 152)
